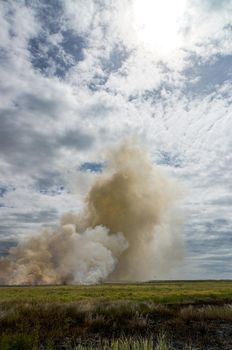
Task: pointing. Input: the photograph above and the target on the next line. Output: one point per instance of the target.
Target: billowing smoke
(129, 230)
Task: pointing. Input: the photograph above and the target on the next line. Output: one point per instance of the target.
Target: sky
(79, 76)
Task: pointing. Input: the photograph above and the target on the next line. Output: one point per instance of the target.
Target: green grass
(130, 343)
(161, 292)
(25, 342)
(121, 316)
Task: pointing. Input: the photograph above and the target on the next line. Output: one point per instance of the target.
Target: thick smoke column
(129, 230)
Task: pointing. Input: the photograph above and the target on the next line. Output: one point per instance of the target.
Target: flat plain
(158, 292)
(162, 315)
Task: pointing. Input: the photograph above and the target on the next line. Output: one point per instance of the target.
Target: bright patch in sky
(158, 23)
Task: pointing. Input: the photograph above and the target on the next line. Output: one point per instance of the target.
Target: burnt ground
(200, 325)
(192, 331)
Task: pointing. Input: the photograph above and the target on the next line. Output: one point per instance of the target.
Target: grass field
(160, 292)
(191, 315)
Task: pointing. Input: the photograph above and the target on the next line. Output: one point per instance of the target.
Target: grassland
(161, 292)
(192, 315)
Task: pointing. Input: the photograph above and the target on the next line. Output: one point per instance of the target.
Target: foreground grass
(111, 325)
(26, 343)
(117, 316)
(162, 292)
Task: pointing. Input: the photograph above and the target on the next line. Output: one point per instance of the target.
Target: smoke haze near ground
(129, 229)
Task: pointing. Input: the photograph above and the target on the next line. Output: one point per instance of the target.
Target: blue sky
(76, 77)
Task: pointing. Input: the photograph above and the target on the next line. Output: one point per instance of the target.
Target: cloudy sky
(78, 76)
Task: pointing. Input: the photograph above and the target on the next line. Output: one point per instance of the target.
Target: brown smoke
(129, 230)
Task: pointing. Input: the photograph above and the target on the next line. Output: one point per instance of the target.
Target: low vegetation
(69, 317)
(26, 342)
(159, 292)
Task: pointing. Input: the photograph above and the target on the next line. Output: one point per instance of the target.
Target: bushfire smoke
(129, 230)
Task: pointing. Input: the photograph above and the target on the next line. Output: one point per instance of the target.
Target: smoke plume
(129, 230)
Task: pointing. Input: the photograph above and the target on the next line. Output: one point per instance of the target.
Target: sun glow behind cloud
(158, 23)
